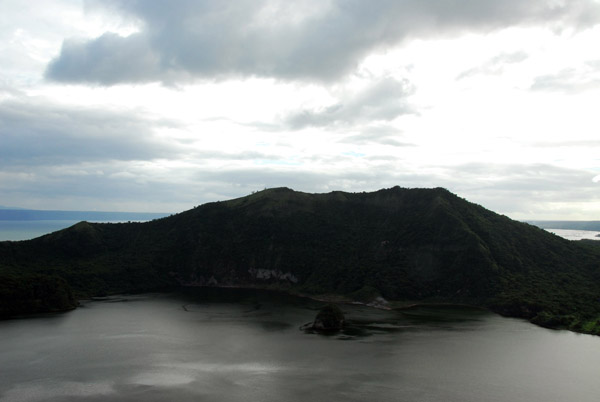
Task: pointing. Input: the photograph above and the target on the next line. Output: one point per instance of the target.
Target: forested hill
(411, 245)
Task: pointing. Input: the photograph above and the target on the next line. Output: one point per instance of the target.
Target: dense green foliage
(33, 293)
(400, 244)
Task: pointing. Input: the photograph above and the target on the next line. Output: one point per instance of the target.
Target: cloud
(80, 60)
(136, 187)
(383, 100)
(570, 80)
(495, 65)
(302, 40)
(8, 91)
(567, 144)
(35, 132)
(596, 179)
(379, 134)
(524, 190)
(521, 190)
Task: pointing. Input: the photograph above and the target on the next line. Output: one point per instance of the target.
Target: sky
(159, 106)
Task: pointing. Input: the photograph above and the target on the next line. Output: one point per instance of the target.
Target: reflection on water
(233, 345)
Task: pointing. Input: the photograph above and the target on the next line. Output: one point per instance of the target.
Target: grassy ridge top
(397, 243)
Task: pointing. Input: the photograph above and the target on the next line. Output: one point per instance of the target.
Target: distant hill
(19, 214)
(403, 245)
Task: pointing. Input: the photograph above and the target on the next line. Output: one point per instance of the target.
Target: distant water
(25, 224)
(571, 234)
(571, 225)
(25, 230)
(236, 345)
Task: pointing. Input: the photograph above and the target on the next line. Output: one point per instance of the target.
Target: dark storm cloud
(304, 40)
(383, 100)
(39, 133)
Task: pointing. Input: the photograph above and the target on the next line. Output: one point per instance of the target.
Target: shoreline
(381, 304)
(393, 305)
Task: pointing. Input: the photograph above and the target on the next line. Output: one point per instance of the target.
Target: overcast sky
(160, 106)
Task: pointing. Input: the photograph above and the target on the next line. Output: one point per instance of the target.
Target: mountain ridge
(423, 245)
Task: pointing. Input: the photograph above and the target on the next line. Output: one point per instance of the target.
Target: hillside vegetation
(404, 245)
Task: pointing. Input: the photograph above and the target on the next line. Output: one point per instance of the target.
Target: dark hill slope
(402, 244)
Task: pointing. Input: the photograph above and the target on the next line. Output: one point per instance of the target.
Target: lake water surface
(242, 345)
